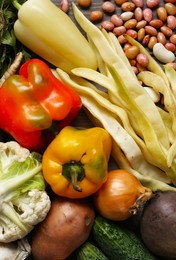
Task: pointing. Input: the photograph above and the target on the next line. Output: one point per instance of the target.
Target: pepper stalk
(52, 35)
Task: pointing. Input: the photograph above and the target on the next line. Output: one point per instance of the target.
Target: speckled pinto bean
(151, 30)
(130, 24)
(172, 39)
(132, 52)
(166, 30)
(96, 16)
(141, 24)
(140, 34)
(147, 14)
(170, 8)
(108, 7)
(161, 38)
(152, 42)
(171, 22)
(156, 23)
(138, 14)
(119, 30)
(128, 6)
(116, 20)
(142, 60)
(107, 25)
(161, 13)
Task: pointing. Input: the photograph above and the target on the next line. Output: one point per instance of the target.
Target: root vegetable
(65, 228)
(120, 196)
(158, 224)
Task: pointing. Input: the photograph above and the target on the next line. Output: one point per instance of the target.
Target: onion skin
(158, 224)
(120, 196)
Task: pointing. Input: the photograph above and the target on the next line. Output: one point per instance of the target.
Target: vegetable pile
(60, 198)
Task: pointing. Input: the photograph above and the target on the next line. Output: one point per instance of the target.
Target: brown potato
(66, 227)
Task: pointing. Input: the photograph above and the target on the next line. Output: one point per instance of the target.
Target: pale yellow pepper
(50, 33)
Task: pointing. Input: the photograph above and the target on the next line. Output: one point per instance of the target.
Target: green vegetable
(24, 201)
(118, 242)
(89, 251)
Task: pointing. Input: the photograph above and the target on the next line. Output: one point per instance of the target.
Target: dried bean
(128, 6)
(132, 33)
(156, 23)
(138, 3)
(119, 30)
(116, 20)
(142, 60)
(120, 2)
(161, 13)
(170, 8)
(171, 22)
(64, 6)
(140, 34)
(146, 40)
(152, 3)
(147, 14)
(172, 39)
(107, 25)
(162, 54)
(141, 24)
(108, 7)
(96, 16)
(161, 38)
(170, 46)
(84, 3)
(166, 30)
(132, 62)
(126, 46)
(138, 14)
(132, 52)
(135, 70)
(126, 15)
(152, 42)
(122, 40)
(130, 24)
(150, 30)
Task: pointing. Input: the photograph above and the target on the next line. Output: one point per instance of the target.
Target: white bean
(155, 95)
(126, 15)
(162, 54)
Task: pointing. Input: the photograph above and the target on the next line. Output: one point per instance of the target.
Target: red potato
(66, 227)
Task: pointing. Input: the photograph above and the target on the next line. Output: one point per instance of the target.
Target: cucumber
(89, 251)
(117, 242)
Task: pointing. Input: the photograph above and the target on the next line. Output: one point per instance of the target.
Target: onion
(120, 196)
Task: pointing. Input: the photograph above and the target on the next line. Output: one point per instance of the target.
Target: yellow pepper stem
(74, 172)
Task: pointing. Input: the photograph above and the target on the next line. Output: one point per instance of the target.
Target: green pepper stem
(16, 4)
(74, 179)
(74, 172)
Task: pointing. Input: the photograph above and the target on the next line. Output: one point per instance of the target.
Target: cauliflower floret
(34, 207)
(9, 231)
(23, 199)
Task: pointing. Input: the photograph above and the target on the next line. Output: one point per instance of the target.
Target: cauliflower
(23, 199)
(18, 250)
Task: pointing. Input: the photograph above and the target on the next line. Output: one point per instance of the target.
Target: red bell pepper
(32, 100)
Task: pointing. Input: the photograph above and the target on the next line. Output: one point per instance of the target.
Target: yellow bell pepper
(75, 164)
(50, 33)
